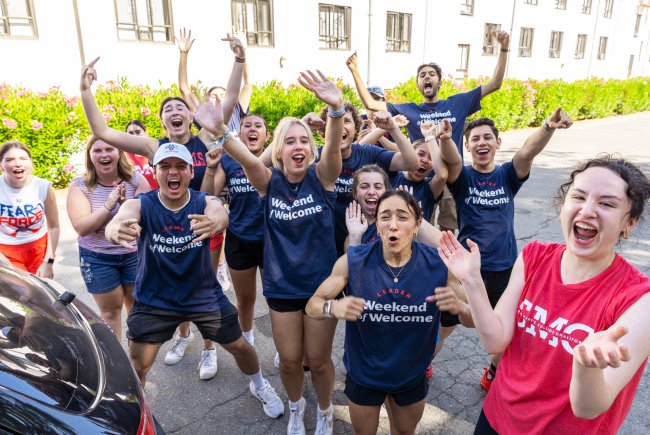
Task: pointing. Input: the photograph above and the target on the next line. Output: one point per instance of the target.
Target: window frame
(467, 7)
(555, 44)
(637, 25)
(6, 24)
(253, 38)
(152, 28)
(329, 39)
(464, 49)
(602, 48)
(560, 4)
(526, 51)
(586, 7)
(581, 46)
(395, 42)
(490, 43)
(530, 2)
(608, 9)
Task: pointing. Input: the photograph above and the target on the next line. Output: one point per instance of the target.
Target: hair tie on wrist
(110, 210)
(548, 127)
(240, 59)
(430, 137)
(336, 113)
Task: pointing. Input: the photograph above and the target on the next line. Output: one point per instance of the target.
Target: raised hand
(351, 62)
(213, 157)
(384, 120)
(314, 121)
(428, 128)
(202, 225)
(443, 130)
(117, 195)
(559, 119)
(88, 75)
(184, 40)
(601, 349)
(355, 220)
(323, 89)
(236, 46)
(463, 264)
(503, 38)
(209, 113)
(124, 233)
(401, 120)
(405, 188)
(348, 308)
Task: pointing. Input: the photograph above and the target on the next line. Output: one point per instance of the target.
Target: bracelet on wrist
(109, 209)
(335, 113)
(219, 141)
(240, 59)
(430, 137)
(548, 127)
(327, 309)
(505, 50)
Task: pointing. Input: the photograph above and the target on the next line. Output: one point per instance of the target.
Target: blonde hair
(279, 135)
(124, 166)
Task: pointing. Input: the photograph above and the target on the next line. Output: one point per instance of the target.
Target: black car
(62, 370)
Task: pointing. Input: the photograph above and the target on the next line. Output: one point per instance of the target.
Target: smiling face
(428, 82)
(176, 118)
(482, 144)
(17, 166)
(173, 176)
(349, 133)
(426, 164)
(135, 130)
(396, 224)
(104, 158)
(594, 214)
(254, 134)
(293, 150)
(369, 187)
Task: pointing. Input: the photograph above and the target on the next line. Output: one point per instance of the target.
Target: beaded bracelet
(335, 113)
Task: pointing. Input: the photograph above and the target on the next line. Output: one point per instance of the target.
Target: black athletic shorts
(483, 426)
(287, 305)
(495, 283)
(365, 396)
(149, 324)
(242, 254)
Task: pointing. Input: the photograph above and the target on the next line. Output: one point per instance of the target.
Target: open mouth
(393, 239)
(18, 172)
(176, 122)
(252, 138)
(583, 231)
(422, 170)
(482, 151)
(105, 163)
(298, 159)
(428, 86)
(371, 203)
(174, 184)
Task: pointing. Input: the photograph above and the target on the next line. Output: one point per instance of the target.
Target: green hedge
(53, 125)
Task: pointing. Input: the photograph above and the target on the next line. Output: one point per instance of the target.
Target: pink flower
(107, 116)
(145, 111)
(9, 123)
(42, 94)
(36, 125)
(68, 168)
(71, 101)
(72, 116)
(109, 108)
(21, 92)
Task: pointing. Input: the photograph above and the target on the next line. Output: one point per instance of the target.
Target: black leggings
(483, 426)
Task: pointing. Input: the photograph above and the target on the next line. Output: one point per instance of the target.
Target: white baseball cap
(172, 149)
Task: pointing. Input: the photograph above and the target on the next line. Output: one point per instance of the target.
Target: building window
(586, 7)
(609, 7)
(463, 50)
(560, 4)
(490, 43)
(17, 19)
(334, 26)
(255, 18)
(467, 7)
(398, 32)
(556, 45)
(581, 43)
(144, 20)
(531, 2)
(526, 42)
(637, 25)
(602, 47)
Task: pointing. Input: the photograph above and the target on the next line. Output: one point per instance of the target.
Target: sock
(325, 411)
(248, 336)
(493, 369)
(294, 405)
(258, 380)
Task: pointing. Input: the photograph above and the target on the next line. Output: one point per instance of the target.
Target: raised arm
(45, 270)
(356, 223)
(497, 77)
(605, 362)
(330, 164)
(348, 308)
(212, 171)
(535, 143)
(142, 145)
(494, 327)
(435, 137)
(367, 100)
(211, 118)
(246, 91)
(406, 159)
(234, 82)
(449, 154)
(184, 41)
(124, 228)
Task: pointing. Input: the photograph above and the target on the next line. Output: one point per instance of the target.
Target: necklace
(293, 187)
(395, 276)
(174, 210)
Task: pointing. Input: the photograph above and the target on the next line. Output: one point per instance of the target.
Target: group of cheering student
(344, 232)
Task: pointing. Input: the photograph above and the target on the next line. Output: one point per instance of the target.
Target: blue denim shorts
(104, 272)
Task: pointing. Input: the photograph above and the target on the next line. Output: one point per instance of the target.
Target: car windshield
(45, 352)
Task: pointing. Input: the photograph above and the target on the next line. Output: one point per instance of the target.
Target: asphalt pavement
(184, 404)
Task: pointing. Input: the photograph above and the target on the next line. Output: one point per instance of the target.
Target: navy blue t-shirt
(246, 212)
(485, 206)
(370, 235)
(175, 272)
(299, 249)
(361, 155)
(392, 343)
(455, 108)
(421, 191)
(198, 150)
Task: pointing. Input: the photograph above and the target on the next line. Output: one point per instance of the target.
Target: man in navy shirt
(456, 108)
(484, 193)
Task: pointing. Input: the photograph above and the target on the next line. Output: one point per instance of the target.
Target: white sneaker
(208, 364)
(296, 425)
(177, 350)
(273, 406)
(276, 360)
(222, 276)
(325, 422)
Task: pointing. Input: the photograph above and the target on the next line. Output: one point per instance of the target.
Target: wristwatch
(50, 260)
(327, 309)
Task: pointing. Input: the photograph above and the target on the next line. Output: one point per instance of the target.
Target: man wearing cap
(456, 108)
(175, 280)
